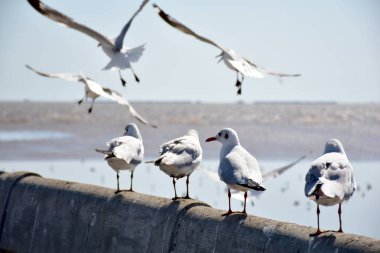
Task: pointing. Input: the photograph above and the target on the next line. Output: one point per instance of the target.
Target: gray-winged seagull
(330, 179)
(94, 90)
(125, 152)
(121, 56)
(237, 168)
(232, 60)
(180, 157)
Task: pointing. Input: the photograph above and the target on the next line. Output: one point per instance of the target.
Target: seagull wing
(65, 76)
(118, 98)
(179, 26)
(275, 173)
(277, 74)
(67, 21)
(120, 37)
(246, 68)
(270, 72)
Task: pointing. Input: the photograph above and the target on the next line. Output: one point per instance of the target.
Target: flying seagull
(237, 168)
(94, 90)
(121, 56)
(179, 158)
(125, 152)
(330, 179)
(239, 64)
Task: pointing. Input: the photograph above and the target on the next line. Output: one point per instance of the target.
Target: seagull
(237, 168)
(234, 61)
(266, 177)
(121, 56)
(94, 90)
(179, 158)
(330, 179)
(125, 152)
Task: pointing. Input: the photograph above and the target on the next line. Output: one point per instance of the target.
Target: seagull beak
(211, 139)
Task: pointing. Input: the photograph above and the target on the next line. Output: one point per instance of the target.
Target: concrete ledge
(44, 215)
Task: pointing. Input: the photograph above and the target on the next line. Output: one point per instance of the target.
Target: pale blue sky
(335, 45)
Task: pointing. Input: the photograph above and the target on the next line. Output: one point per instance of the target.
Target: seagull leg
(131, 189)
(318, 230)
(123, 82)
(92, 104)
(175, 191)
(117, 177)
(245, 202)
(134, 74)
(229, 204)
(80, 101)
(239, 83)
(340, 218)
(187, 188)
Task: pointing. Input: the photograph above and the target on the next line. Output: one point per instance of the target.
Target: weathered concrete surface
(44, 215)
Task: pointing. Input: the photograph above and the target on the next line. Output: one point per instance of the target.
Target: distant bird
(125, 152)
(121, 56)
(232, 60)
(237, 168)
(330, 179)
(266, 177)
(94, 90)
(179, 158)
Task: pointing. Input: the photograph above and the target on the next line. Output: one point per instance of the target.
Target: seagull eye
(328, 165)
(220, 134)
(226, 136)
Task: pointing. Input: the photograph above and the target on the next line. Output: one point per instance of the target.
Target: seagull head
(132, 130)
(226, 136)
(192, 132)
(334, 145)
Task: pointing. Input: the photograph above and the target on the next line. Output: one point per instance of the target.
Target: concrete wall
(44, 215)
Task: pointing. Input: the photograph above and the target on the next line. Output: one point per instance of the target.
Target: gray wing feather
(65, 20)
(120, 37)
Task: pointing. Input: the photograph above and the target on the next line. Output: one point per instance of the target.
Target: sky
(335, 45)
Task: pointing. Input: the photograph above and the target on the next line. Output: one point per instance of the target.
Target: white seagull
(237, 168)
(125, 152)
(266, 177)
(232, 60)
(121, 56)
(330, 179)
(94, 90)
(180, 157)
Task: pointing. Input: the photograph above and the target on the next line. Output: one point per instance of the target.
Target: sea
(58, 140)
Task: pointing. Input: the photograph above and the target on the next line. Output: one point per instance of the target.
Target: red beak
(211, 139)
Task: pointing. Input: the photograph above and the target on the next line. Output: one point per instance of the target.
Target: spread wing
(69, 22)
(115, 96)
(65, 76)
(275, 173)
(120, 37)
(181, 27)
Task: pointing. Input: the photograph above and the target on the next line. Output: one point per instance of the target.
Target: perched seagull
(237, 168)
(121, 56)
(180, 157)
(330, 179)
(232, 60)
(94, 90)
(266, 177)
(125, 152)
